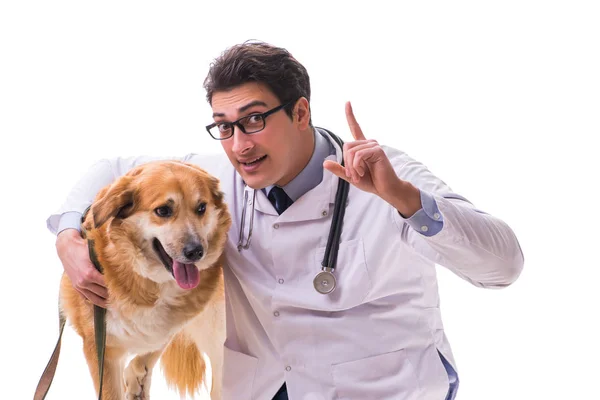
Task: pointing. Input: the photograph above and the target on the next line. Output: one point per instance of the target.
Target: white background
(499, 99)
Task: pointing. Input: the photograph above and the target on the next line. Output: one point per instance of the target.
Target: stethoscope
(324, 282)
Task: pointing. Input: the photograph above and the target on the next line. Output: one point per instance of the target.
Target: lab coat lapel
(263, 204)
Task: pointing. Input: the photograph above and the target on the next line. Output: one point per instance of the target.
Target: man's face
(264, 158)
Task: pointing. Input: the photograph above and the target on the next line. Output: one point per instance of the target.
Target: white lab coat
(378, 334)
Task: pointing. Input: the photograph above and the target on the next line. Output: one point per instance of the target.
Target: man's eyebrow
(245, 107)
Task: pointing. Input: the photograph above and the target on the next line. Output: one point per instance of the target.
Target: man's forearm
(477, 246)
(450, 231)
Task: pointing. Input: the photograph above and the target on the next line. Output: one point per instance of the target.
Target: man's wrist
(405, 198)
(67, 235)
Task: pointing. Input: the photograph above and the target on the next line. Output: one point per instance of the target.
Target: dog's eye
(163, 211)
(202, 208)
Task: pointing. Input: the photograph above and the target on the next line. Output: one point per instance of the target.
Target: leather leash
(99, 333)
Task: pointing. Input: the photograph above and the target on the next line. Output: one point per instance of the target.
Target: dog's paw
(137, 381)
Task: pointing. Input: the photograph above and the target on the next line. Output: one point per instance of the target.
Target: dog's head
(167, 219)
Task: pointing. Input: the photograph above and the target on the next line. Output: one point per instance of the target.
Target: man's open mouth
(255, 161)
(187, 276)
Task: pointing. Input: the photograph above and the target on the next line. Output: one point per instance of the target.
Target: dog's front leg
(138, 375)
(112, 386)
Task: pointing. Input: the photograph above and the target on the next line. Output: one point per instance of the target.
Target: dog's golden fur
(149, 313)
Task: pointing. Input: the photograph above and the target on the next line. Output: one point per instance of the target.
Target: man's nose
(241, 141)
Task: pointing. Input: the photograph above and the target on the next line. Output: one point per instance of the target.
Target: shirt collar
(312, 174)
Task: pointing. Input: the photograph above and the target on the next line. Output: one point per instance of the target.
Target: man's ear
(117, 201)
(301, 113)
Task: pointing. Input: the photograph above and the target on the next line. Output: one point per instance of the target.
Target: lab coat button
(276, 226)
(324, 212)
(276, 313)
(424, 228)
(436, 216)
(280, 281)
(288, 368)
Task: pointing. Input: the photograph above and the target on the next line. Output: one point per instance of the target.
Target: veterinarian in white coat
(379, 334)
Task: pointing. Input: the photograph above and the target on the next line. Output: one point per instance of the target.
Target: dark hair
(259, 62)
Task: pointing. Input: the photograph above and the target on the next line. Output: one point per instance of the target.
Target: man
(379, 334)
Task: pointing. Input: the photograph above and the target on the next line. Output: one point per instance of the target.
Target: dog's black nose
(193, 251)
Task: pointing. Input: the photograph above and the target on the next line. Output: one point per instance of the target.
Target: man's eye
(255, 119)
(224, 128)
(163, 211)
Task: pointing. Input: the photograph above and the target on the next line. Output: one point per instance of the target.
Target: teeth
(253, 161)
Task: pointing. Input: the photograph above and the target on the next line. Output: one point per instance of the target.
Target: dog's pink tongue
(186, 275)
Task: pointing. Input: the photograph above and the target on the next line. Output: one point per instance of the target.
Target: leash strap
(99, 335)
(48, 374)
(99, 323)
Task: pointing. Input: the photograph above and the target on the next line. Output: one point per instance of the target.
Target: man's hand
(367, 167)
(73, 252)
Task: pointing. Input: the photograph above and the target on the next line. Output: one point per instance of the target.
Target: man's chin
(254, 181)
(255, 185)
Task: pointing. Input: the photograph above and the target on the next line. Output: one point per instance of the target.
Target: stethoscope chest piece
(324, 281)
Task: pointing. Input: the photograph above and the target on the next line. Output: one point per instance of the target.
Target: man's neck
(312, 172)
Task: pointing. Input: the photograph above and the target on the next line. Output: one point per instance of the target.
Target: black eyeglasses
(249, 124)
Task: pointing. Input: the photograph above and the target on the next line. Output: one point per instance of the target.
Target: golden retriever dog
(158, 233)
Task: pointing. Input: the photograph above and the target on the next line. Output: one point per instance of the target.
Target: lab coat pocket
(381, 377)
(239, 380)
(352, 278)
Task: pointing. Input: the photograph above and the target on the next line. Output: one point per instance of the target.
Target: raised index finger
(354, 127)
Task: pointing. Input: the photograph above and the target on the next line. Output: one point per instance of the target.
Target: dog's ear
(117, 201)
(215, 190)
